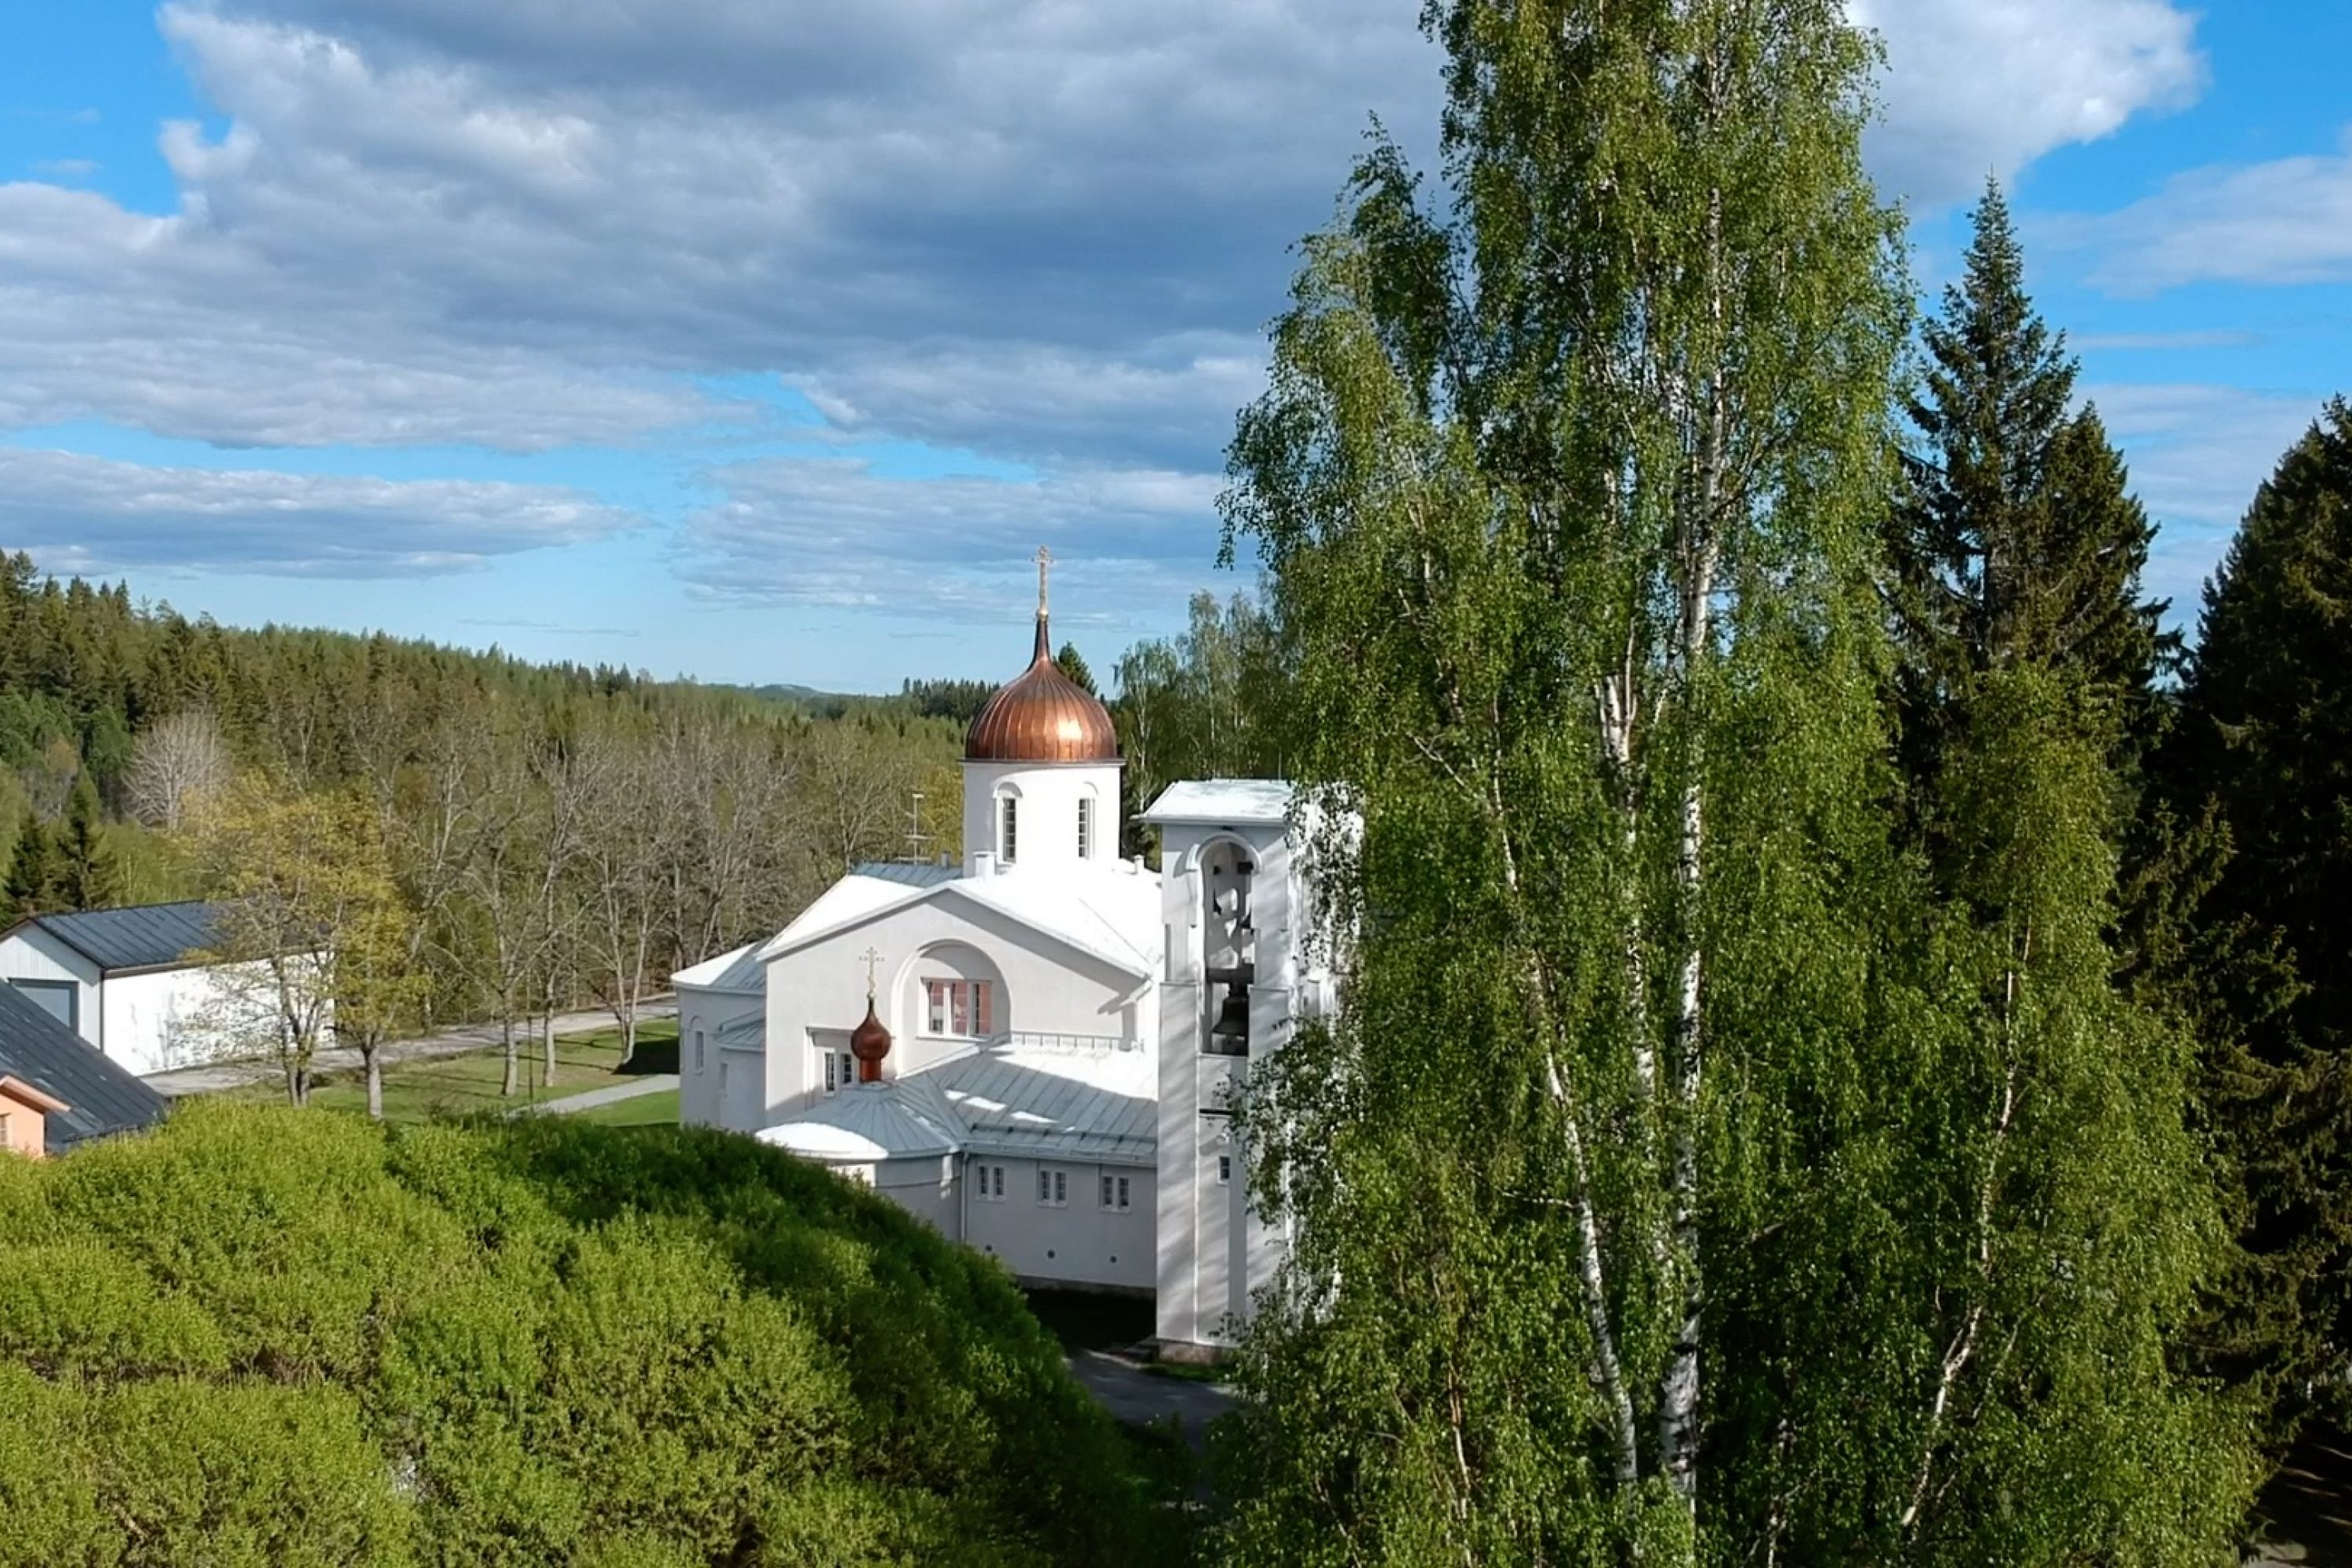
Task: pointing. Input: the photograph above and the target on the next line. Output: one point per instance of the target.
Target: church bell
(1232, 1028)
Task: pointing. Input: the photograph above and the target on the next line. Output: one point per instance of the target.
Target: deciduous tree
(309, 921)
(176, 764)
(1679, 1182)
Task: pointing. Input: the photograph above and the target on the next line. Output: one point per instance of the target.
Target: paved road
(214, 1076)
(1131, 1394)
(2308, 1508)
(652, 1083)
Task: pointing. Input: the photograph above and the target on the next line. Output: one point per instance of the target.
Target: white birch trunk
(1679, 1399)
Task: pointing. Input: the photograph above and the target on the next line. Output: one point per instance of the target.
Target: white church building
(1033, 1050)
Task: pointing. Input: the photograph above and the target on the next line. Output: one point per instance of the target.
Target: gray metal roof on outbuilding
(46, 1054)
(146, 936)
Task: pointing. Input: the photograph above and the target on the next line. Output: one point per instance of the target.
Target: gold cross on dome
(1044, 564)
(873, 961)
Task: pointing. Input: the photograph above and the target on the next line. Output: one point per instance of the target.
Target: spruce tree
(1677, 1182)
(33, 869)
(87, 876)
(2259, 947)
(1073, 664)
(2015, 540)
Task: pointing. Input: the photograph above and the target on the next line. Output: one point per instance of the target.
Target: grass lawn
(646, 1111)
(462, 1085)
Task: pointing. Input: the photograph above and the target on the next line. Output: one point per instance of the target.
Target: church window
(1086, 828)
(698, 1050)
(958, 1008)
(1008, 848)
(1115, 1193)
(840, 1070)
(1053, 1188)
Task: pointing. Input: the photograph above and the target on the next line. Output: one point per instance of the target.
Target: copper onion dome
(869, 1043)
(1041, 715)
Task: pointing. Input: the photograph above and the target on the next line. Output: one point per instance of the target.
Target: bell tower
(1230, 989)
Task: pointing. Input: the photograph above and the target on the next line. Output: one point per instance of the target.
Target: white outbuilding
(128, 981)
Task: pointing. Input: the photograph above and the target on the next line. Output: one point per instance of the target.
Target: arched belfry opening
(1229, 946)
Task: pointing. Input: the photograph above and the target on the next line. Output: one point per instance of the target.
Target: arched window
(1008, 828)
(1086, 828)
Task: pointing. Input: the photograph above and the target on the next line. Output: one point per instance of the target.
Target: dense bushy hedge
(267, 1336)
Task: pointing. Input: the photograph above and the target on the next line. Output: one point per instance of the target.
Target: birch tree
(178, 762)
(627, 843)
(310, 934)
(1626, 1192)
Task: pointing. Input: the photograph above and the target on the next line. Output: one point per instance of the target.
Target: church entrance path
(1135, 1394)
(1103, 1339)
(2307, 1510)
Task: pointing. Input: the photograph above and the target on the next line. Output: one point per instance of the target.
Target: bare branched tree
(179, 762)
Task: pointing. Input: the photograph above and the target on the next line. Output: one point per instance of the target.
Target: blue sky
(764, 340)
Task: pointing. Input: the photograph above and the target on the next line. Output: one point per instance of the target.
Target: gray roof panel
(913, 874)
(46, 1054)
(146, 936)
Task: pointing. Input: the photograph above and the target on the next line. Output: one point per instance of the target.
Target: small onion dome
(869, 1043)
(1042, 716)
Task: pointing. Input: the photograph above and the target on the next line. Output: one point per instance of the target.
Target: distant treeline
(556, 833)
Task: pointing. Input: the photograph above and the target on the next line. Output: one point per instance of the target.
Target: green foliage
(1073, 663)
(34, 867)
(2254, 850)
(2015, 538)
(1687, 1178)
(1213, 702)
(958, 701)
(258, 1336)
(722, 813)
(88, 877)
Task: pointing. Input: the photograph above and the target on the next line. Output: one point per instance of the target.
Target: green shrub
(258, 1335)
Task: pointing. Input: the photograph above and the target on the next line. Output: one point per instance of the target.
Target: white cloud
(2196, 455)
(1045, 232)
(1986, 87)
(78, 513)
(2287, 221)
(830, 530)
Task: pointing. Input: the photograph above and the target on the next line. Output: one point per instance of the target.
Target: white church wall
(1078, 1241)
(742, 1073)
(1047, 816)
(1045, 987)
(925, 1188)
(701, 1015)
(146, 1017)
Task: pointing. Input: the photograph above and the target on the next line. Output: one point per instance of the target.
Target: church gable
(1062, 927)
